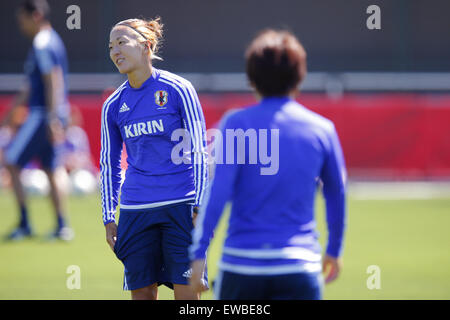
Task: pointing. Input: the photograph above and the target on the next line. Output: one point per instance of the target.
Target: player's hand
(196, 280)
(56, 130)
(331, 267)
(195, 214)
(111, 234)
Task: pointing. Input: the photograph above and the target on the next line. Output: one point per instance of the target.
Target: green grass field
(409, 240)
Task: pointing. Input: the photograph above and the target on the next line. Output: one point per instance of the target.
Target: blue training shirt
(144, 120)
(47, 52)
(271, 226)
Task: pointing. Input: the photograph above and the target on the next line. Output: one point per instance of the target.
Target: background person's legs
(30, 141)
(24, 145)
(62, 231)
(23, 228)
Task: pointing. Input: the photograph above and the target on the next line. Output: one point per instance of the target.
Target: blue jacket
(145, 120)
(271, 226)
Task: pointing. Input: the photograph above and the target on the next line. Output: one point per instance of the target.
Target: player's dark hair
(275, 63)
(31, 6)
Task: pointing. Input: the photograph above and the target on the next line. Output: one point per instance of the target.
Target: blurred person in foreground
(45, 94)
(271, 250)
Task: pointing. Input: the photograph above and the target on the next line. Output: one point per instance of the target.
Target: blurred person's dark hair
(32, 6)
(275, 63)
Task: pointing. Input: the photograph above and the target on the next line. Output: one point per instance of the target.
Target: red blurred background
(384, 136)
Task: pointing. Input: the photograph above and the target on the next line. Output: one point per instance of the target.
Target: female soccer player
(158, 195)
(271, 250)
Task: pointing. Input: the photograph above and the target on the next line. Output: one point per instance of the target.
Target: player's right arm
(20, 100)
(111, 150)
(218, 194)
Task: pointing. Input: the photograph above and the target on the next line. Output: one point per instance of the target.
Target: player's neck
(291, 94)
(137, 77)
(41, 27)
(38, 28)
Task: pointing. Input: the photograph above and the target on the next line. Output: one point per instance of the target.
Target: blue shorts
(32, 142)
(153, 245)
(294, 286)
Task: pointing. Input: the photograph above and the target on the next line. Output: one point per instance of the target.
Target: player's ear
(37, 17)
(148, 46)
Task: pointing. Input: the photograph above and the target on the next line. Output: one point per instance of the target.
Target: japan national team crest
(161, 97)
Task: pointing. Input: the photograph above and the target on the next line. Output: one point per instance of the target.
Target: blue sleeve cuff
(105, 222)
(334, 249)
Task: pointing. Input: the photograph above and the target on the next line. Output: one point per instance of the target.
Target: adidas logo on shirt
(124, 108)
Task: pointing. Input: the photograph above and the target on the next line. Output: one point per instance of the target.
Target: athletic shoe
(19, 233)
(64, 234)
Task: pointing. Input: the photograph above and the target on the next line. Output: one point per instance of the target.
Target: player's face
(26, 23)
(125, 51)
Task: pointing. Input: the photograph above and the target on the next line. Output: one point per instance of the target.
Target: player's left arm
(194, 121)
(334, 178)
(54, 89)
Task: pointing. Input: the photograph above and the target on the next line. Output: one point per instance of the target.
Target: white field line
(398, 190)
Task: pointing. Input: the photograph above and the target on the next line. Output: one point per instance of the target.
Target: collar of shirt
(275, 100)
(148, 82)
